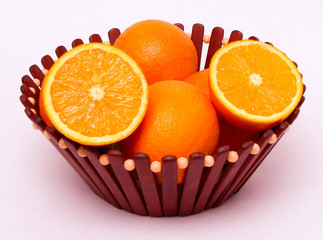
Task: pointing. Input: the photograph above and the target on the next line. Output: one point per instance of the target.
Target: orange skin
(43, 113)
(201, 81)
(179, 121)
(162, 50)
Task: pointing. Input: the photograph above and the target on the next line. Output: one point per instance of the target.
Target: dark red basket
(137, 191)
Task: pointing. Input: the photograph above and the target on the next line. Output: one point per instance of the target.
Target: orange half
(95, 94)
(254, 85)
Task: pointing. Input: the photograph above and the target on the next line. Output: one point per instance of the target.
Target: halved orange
(95, 94)
(253, 84)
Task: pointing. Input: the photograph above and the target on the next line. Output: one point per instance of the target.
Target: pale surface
(41, 196)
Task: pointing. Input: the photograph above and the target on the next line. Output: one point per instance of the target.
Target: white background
(41, 196)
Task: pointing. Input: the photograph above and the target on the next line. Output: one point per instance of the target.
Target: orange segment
(95, 94)
(253, 84)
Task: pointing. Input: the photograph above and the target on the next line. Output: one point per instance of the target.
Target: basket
(137, 191)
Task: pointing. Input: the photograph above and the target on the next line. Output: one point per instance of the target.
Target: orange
(95, 94)
(162, 50)
(179, 121)
(254, 85)
(201, 81)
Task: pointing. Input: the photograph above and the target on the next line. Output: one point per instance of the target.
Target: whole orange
(162, 50)
(179, 121)
(201, 81)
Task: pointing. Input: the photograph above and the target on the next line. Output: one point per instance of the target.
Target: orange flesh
(255, 86)
(96, 94)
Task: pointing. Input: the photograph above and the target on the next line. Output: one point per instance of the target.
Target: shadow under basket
(136, 191)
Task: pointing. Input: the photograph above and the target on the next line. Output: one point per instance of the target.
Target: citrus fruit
(201, 81)
(95, 94)
(254, 85)
(162, 50)
(179, 121)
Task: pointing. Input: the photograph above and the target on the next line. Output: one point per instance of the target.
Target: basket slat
(113, 34)
(36, 72)
(180, 26)
(235, 36)
(263, 141)
(60, 51)
(77, 42)
(304, 87)
(300, 103)
(127, 183)
(169, 185)
(197, 38)
(294, 114)
(279, 132)
(54, 138)
(148, 184)
(95, 38)
(191, 183)
(47, 62)
(228, 174)
(254, 38)
(211, 179)
(25, 90)
(108, 178)
(30, 83)
(84, 162)
(214, 45)
(93, 156)
(36, 120)
(245, 152)
(25, 101)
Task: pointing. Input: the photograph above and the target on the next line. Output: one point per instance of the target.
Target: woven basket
(137, 191)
